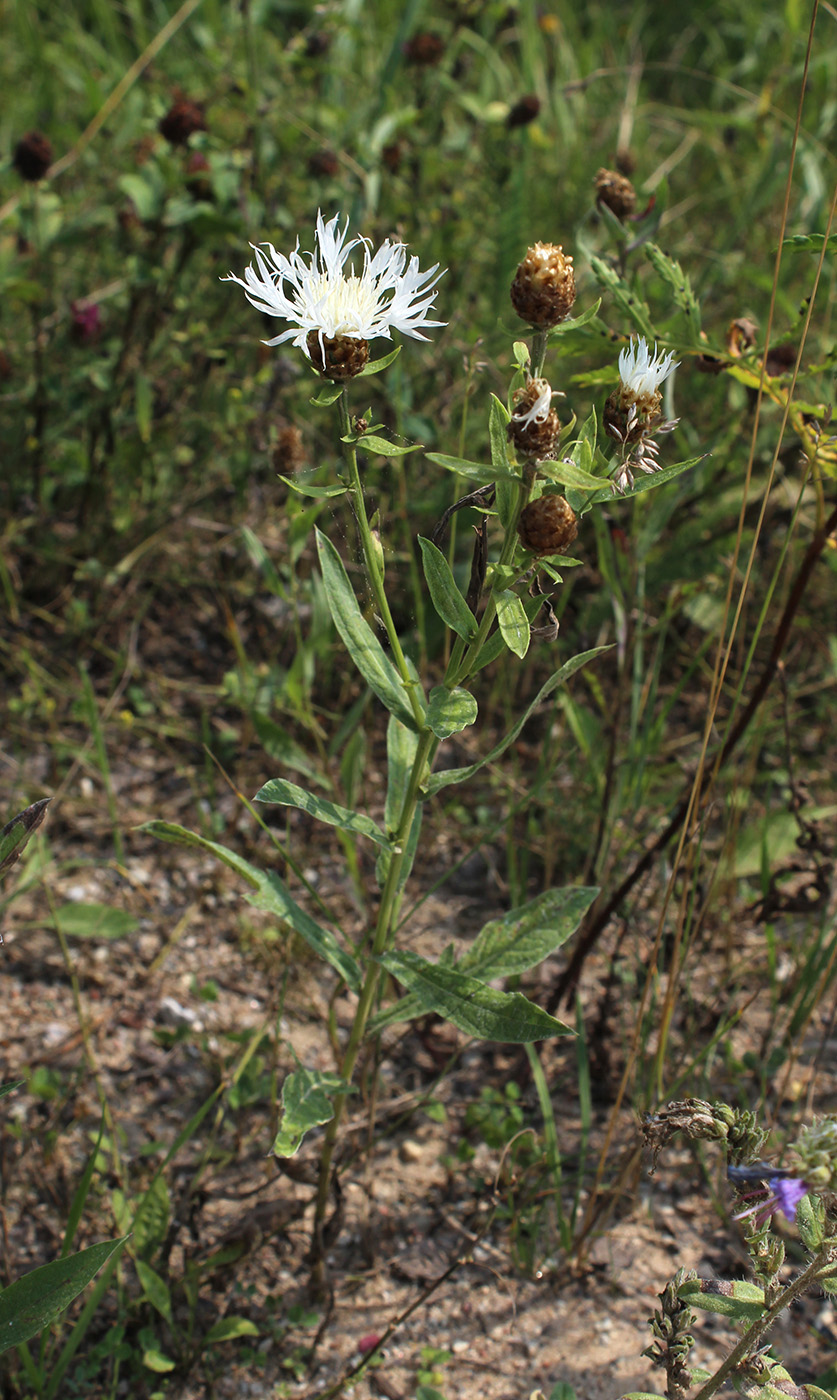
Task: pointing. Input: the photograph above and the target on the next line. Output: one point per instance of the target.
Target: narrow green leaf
(270, 894)
(498, 422)
(155, 1289)
(375, 366)
(228, 1328)
(574, 323)
(371, 442)
(328, 394)
(524, 937)
(143, 403)
(286, 794)
(437, 781)
(306, 1102)
(810, 242)
(609, 278)
(449, 711)
(739, 1300)
(568, 474)
(470, 1005)
(36, 1300)
(444, 594)
(156, 1360)
(672, 273)
(11, 1086)
(513, 622)
(401, 752)
(650, 483)
(303, 488)
(474, 471)
(94, 921)
(362, 644)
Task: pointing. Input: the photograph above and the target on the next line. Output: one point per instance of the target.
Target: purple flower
(783, 1194)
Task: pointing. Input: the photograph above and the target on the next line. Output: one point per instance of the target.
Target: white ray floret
(640, 371)
(325, 296)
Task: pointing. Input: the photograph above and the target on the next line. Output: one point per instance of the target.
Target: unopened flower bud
(534, 427)
(548, 525)
(338, 357)
(424, 49)
(32, 156)
(815, 1151)
(616, 191)
(543, 290)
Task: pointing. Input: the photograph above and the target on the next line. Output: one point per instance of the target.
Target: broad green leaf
(568, 474)
(270, 894)
(36, 1300)
(470, 1005)
(512, 622)
(303, 488)
(401, 752)
(524, 937)
(362, 644)
(740, 1300)
(449, 711)
(507, 946)
(437, 781)
(445, 596)
(375, 366)
(94, 921)
(228, 1328)
(373, 443)
(152, 1357)
(474, 471)
(810, 1221)
(306, 1102)
(287, 794)
(155, 1289)
(328, 394)
(17, 832)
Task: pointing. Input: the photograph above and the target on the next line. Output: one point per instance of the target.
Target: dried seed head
(289, 451)
(616, 191)
(32, 156)
(323, 162)
(741, 336)
(524, 111)
(424, 49)
(338, 357)
(181, 121)
(543, 290)
(534, 425)
(548, 525)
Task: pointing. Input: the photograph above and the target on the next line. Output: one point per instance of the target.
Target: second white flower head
(320, 295)
(640, 371)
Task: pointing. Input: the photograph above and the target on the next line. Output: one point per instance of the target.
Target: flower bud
(616, 191)
(32, 156)
(534, 425)
(182, 119)
(543, 290)
(548, 525)
(815, 1151)
(338, 357)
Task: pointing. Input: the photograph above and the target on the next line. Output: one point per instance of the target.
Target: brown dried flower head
(524, 111)
(181, 121)
(534, 425)
(338, 357)
(543, 290)
(424, 49)
(616, 191)
(32, 156)
(741, 336)
(289, 451)
(548, 525)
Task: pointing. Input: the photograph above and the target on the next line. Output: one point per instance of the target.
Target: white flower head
(324, 296)
(641, 372)
(540, 392)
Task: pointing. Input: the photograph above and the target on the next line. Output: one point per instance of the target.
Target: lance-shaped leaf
(470, 1005)
(437, 781)
(371, 442)
(360, 641)
(36, 1300)
(738, 1299)
(446, 597)
(307, 1101)
(512, 622)
(449, 711)
(305, 488)
(505, 947)
(474, 471)
(16, 833)
(287, 794)
(268, 892)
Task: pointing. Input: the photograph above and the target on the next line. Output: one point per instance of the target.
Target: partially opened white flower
(641, 372)
(323, 300)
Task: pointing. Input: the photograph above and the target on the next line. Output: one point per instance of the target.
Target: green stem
(374, 568)
(753, 1334)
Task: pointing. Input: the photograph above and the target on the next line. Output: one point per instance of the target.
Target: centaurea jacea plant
(334, 301)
